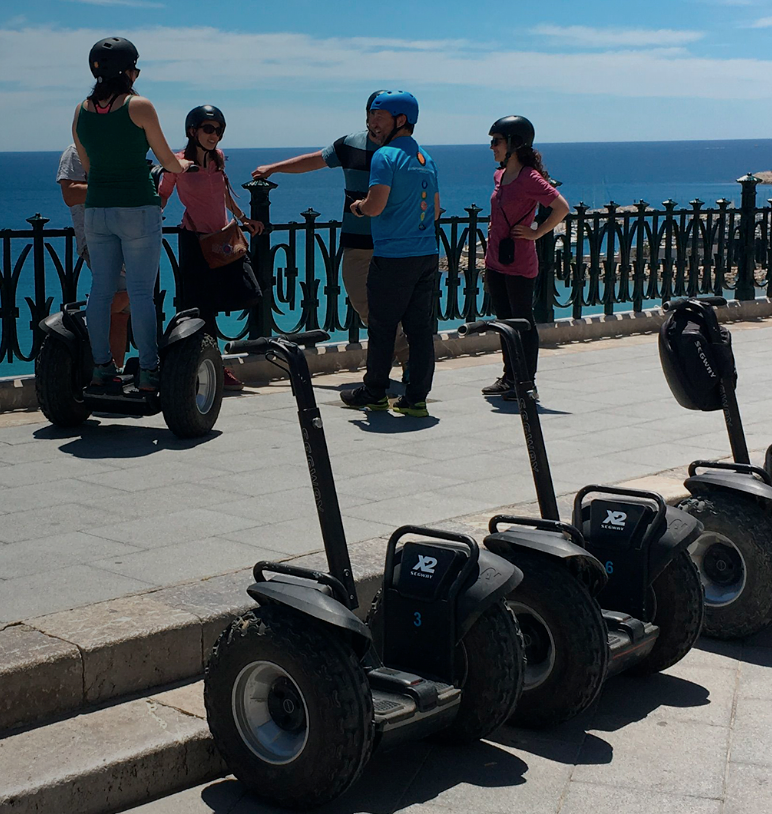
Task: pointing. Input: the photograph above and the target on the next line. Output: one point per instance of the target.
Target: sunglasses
(210, 128)
(495, 141)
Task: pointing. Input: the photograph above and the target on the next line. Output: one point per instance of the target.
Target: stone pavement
(120, 506)
(696, 739)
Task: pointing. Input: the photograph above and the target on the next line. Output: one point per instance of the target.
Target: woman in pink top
(511, 265)
(206, 195)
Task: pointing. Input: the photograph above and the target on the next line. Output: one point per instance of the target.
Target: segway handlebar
(483, 325)
(682, 302)
(263, 344)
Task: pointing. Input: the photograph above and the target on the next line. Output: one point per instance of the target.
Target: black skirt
(229, 288)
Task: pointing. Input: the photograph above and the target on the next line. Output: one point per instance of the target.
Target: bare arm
(559, 208)
(73, 192)
(373, 204)
(437, 207)
(298, 164)
(82, 154)
(143, 114)
(255, 227)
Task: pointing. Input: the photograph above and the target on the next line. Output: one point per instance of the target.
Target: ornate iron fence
(616, 256)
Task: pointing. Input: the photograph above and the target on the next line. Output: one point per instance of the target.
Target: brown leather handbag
(224, 246)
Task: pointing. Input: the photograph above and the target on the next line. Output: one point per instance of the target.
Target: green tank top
(117, 152)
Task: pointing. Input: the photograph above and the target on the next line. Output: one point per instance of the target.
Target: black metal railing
(616, 258)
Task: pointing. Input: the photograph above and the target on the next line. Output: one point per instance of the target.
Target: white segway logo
(425, 566)
(614, 521)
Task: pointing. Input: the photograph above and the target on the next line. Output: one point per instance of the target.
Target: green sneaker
(361, 398)
(148, 379)
(402, 405)
(102, 375)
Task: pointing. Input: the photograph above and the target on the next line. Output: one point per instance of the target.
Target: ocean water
(592, 173)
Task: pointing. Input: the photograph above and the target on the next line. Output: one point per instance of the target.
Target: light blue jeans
(129, 236)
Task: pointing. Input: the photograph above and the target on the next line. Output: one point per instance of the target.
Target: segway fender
(496, 578)
(585, 567)
(182, 330)
(53, 325)
(682, 531)
(312, 602)
(718, 480)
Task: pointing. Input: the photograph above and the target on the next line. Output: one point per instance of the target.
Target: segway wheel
(679, 614)
(490, 664)
(289, 707)
(192, 385)
(56, 385)
(566, 645)
(734, 558)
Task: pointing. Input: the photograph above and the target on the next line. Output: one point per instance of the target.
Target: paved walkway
(120, 506)
(694, 740)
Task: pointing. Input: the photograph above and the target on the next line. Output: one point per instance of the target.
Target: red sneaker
(230, 382)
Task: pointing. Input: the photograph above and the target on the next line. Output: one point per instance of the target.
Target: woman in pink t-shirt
(511, 265)
(206, 195)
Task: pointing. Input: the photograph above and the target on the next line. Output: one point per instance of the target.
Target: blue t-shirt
(353, 153)
(405, 228)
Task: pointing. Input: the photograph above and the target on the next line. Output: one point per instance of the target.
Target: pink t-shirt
(202, 193)
(518, 200)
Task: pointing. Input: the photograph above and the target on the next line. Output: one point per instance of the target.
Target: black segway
(297, 695)
(191, 380)
(613, 591)
(732, 500)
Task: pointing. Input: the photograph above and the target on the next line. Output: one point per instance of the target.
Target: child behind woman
(206, 195)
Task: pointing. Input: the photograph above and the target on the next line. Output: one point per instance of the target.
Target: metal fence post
(259, 317)
(41, 306)
(745, 288)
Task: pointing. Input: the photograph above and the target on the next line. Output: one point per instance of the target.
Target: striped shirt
(353, 153)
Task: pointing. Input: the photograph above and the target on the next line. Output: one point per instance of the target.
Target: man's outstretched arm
(297, 164)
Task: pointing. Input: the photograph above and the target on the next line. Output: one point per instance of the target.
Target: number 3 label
(417, 621)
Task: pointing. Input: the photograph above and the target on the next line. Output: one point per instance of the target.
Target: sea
(590, 173)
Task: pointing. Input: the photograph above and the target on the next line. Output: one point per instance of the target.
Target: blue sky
(298, 73)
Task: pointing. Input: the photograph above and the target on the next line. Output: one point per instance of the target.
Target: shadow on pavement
(623, 701)
(392, 781)
(756, 649)
(501, 406)
(389, 423)
(93, 440)
(626, 699)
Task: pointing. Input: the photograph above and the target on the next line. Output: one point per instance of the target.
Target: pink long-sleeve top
(511, 204)
(203, 195)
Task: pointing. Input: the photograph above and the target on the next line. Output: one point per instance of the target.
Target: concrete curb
(18, 393)
(73, 660)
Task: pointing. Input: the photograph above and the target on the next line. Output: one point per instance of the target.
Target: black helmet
(518, 131)
(373, 97)
(204, 113)
(112, 56)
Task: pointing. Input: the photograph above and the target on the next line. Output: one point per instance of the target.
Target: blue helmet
(398, 103)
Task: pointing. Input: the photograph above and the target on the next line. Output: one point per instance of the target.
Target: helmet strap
(395, 129)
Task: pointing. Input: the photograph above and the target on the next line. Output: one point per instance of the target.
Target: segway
(615, 590)
(296, 694)
(732, 500)
(191, 377)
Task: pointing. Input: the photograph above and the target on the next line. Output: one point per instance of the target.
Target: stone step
(110, 758)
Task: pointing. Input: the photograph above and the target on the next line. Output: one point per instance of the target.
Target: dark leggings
(512, 298)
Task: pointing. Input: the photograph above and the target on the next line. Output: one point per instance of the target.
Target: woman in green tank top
(113, 130)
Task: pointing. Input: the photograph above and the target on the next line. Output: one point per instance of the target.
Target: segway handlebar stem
(683, 302)
(263, 344)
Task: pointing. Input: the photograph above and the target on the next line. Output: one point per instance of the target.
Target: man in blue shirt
(353, 153)
(403, 201)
